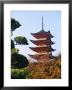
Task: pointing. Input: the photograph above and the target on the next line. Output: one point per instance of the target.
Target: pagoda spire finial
(42, 24)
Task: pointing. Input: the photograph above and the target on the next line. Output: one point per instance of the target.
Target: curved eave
(53, 42)
(42, 31)
(41, 36)
(42, 42)
(52, 36)
(41, 49)
(53, 49)
(41, 56)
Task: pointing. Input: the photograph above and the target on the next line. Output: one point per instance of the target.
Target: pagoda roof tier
(42, 42)
(42, 49)
(41, 56)
(42, 34)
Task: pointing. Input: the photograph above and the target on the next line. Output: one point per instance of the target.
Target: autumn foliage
(46, 70)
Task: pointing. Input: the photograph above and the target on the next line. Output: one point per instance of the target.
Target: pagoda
(43, 45)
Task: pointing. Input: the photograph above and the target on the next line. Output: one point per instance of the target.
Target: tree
(12, 44)
(14, 24)
(18, 61)
(21, 40)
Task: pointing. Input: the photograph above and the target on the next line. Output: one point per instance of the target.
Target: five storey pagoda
(43, 48)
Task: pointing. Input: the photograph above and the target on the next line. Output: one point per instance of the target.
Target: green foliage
(12, 44)
(14, 50)
(20, 73)
(18, 61)
(14, 24)
(21, 40)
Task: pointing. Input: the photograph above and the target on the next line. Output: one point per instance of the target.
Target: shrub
(18, 61)
(21, 40)
(20, 73)
(14, 24)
